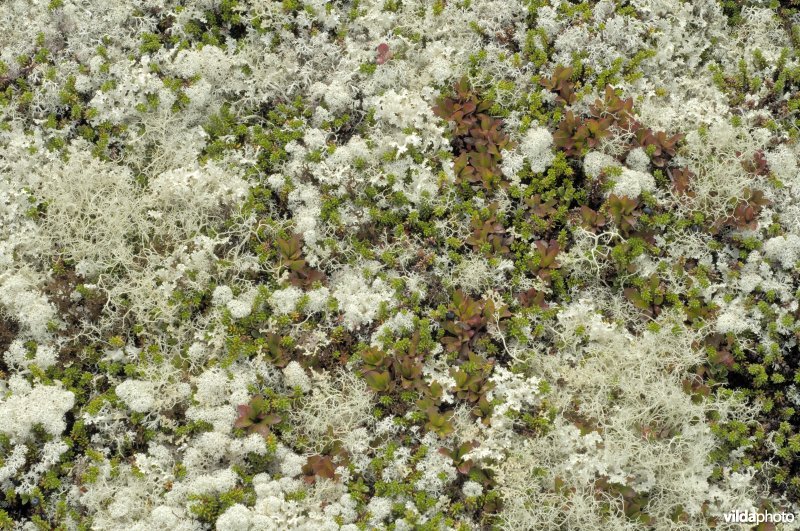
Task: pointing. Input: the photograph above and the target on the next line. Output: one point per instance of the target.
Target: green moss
(208, 507)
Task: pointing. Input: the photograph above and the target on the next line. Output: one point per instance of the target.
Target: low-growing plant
(681, 179)
(438, 422)
(463, 109)
(593, 220)
(660, 147)
(489, 236)
(623, 211)
(376, 369)
(546, 254)
(472, 385)
(745, 212)
(275, 349)
(619, 110)
(291, 258)
(531, 297)
(257, 416)
(466, 322)
(321, 466)
(633, 504)
(325, 463)
(560, 83)
(649, 297)
(478, 138)
(544, 209)
(757, 165)
(576, 135)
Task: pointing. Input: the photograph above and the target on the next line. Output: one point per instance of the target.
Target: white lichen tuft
(537, 147)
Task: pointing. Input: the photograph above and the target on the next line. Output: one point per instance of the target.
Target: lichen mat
(399, 264)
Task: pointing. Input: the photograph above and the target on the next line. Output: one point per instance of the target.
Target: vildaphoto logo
(757, 517)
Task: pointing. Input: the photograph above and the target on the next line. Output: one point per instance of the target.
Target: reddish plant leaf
(384, 53)
(244, 419)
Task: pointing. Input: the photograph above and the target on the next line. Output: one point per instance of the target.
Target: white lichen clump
(537, 148)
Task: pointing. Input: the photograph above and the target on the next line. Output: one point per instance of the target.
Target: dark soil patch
(9, 329)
